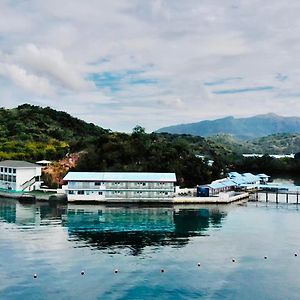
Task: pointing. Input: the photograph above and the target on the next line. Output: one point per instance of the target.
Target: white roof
(18, 164)
(120, 176)
(263, 175)
(43, 162)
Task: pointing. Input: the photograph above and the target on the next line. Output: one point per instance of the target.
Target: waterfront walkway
(221, 199)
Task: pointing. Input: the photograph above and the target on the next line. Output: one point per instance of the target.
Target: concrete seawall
(32, 197)
(220, 199)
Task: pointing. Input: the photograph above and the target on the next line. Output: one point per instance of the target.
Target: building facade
(123, 186)
(16, 175)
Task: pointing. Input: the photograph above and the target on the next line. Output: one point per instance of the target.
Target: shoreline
(53, 197)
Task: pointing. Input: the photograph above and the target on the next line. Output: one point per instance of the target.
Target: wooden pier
(292, 197)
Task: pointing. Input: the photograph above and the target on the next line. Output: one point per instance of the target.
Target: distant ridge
(241, 128)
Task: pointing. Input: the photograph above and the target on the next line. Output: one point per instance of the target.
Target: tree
(138, 130)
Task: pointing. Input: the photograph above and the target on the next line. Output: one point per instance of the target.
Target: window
(9, 170)
(97, 183)
(71, 192)
(1, 176)
(14, 171)
(5, 170)
(80, 193)
(1, 169)
(99, 193)
(144, 183)
(9, 178)
(14, 178)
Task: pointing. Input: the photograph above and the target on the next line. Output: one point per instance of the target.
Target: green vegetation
(32, 133)
(154, 153)
(268, 165)
(281, 143)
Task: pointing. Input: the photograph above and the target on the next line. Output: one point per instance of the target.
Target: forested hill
(32, 133)
(29, 122)
(281, 143)
(241, 128)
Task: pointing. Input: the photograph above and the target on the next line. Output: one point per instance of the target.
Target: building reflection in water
(113, 228)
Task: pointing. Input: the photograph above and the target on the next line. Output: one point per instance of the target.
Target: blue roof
(228, 183)
(234, 174)
(221, 184)
(215, 185)
(245, 178)
(120, 176)
(248, 177)
(238, 180)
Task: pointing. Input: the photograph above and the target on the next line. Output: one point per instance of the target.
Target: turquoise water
(58, 242)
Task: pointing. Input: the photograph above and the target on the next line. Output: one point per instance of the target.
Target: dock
(292, 197)
(218, 199)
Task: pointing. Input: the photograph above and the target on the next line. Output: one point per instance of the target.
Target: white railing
(28, 183)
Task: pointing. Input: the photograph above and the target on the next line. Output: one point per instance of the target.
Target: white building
(17, 175)
(122, 186)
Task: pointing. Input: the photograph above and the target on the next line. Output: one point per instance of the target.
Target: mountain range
(240, 128)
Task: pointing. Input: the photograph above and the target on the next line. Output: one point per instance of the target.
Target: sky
(119, 63)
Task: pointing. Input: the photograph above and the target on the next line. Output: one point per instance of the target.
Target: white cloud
(52, 63)
(37, 85)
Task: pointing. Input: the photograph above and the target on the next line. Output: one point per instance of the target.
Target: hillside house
(17, 175)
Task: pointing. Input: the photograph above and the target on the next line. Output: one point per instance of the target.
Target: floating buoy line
(162, 270)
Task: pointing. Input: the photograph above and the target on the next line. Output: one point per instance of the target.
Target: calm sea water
(58, 242)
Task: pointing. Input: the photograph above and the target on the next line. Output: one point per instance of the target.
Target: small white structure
(44, 162)
(264, 178)
(278, 156)
(122, 186)
(17, 175)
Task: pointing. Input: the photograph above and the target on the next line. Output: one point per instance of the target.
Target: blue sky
(154, 63)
